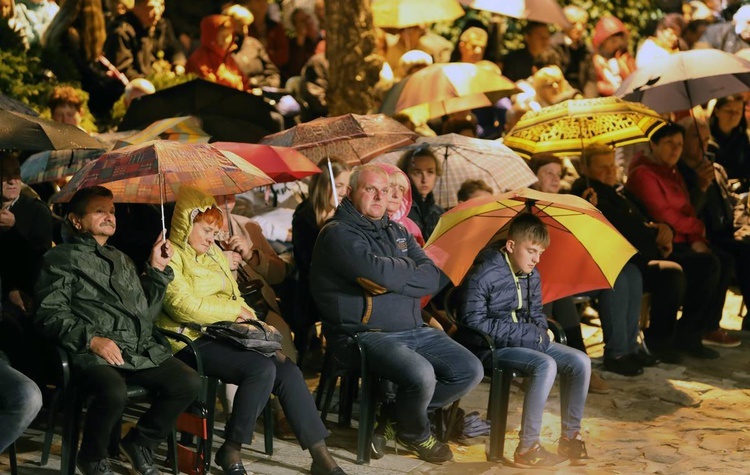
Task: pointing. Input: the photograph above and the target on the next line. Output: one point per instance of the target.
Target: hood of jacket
(607, 26)
(190, 202)
(210, 26)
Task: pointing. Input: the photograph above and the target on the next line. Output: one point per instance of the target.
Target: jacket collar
(346, 212)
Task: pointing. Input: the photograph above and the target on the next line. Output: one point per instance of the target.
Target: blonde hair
(321, 189)
(239, 14)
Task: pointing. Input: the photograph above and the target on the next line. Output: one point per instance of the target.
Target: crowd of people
(89, 279)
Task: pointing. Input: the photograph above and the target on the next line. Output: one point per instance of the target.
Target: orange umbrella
(585, 253)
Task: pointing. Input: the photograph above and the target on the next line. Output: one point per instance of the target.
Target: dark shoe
(666, 354)
(721, 339)
(141, 458)
(537, 456)
(697, 350)
(96, 467)
(229, 468)
(623, 365)
(644, 359)
(573, 449)
(430, 450)
(380, 437)
(318, 470)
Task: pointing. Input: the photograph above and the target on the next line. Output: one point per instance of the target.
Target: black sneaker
(573, 449)
(95, 467)
(430, 450)
(697, 350)
(537, 456)
(644, 359)
(383, 433)
(623, 365)
(141, 458)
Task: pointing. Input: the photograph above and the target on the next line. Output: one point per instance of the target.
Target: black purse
(251, 291)
(253, 335)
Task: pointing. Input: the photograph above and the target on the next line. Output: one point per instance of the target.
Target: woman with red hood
(213, 60)
(612, 61)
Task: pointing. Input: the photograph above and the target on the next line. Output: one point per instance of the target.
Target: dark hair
(667, 131)
(469, 187)
(320, 187)
(456, 125)
(528, 227)
(538, 160)
(407, 159)
(81, 199)
(533, 24)
(674, 21)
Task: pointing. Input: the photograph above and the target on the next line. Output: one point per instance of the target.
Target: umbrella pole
(162, 192)
(333, 183)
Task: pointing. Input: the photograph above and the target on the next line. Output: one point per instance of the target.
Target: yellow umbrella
(585, 253)
(566, 128)
(405, 13)
(185, 129)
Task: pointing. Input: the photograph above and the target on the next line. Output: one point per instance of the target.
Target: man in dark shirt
(522, 63)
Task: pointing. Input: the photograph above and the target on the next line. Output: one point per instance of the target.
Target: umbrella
(25, 132)
(687, 79)
(52, 165)
(566, 128)
(7, 103)
(544, 11)
(282, 164)
(466, 158)
(406, 13)
(351, 137)
(445, 88)
(585, 253)
(185, 129)
(226, 114)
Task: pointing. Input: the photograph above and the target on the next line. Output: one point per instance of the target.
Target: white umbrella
(543, 11)
(687, 79)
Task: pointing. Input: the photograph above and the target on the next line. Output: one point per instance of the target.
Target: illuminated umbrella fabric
(566, 128)
(543, 11)
(465, 158)
(25, 132)
(350, 137)
(405, 13)
(153, 172)
(687, 79)
(442, 89)
(186, 129)
(585, 253)
(52, 165)
(282, 164)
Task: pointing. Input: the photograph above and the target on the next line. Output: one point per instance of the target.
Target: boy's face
(523, 255)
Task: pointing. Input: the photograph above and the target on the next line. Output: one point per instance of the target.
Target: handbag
(253, 335)
(251, 291)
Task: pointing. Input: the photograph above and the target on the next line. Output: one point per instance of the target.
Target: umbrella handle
(333, 184)
(162, 192)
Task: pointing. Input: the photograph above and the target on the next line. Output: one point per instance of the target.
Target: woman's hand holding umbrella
(161, 253)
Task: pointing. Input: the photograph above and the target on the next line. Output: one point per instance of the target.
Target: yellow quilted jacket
(203, 290)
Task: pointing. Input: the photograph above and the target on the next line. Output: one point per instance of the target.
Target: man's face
(371, 195)
(696, 144)
(471, 51)
(549, 177)
(423, 173)
(523, 255)
(603, 168)
(575, 33)
(99, 220)
(11, 175)
(148, 12)
(537, 40)
(5, 9)
(67, 114)
(668, 150)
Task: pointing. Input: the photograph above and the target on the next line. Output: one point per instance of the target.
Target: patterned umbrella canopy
(152, 172)
(544, 11)
(585, 253)
(405, 13)
(52, 165)
(466, 158)
(283, 164)
(566, 128)
(24, 132)
(350, 137)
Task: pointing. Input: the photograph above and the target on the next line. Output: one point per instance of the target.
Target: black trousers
(174, 386)
(258, 376)
(665, 281)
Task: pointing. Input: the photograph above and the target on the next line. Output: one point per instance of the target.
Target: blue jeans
(20, 401)
(429, 368)
(574, 368)
(620, 312)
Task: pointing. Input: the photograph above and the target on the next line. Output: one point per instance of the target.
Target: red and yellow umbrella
(585, 253)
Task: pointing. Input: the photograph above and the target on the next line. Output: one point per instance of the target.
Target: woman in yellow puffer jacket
(204, 291)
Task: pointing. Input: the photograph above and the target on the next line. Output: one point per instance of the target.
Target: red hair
(211, 216)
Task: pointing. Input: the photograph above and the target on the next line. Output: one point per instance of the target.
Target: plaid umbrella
(283, 164)
(52, 165)
(466, 158)
(185, 129)
(24, 132)
(544, 11)
(405, 13)
(585, 253)
(566, 128)
(351, 137)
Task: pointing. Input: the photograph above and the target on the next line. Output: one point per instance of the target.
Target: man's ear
(74, 220)
(510, 245)
(348, 191)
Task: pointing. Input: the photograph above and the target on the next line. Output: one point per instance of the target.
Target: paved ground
(674, 419)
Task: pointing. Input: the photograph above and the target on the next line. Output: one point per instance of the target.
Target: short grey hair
(357, 171)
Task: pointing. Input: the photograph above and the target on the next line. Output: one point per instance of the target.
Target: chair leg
(268, 428)
(325, 375)
(172, 452)
(366, 418)
(13, 459)
(498, 413)
(71, 415)
(328, 388)
(452, 416)
(54, 408)
(212, 388)
(346, 400)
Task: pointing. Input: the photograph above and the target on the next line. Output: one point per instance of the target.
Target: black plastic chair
(500, 377)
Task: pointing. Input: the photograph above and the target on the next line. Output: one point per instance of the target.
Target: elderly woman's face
(202, 236)
(396, 196)
(549, 177)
